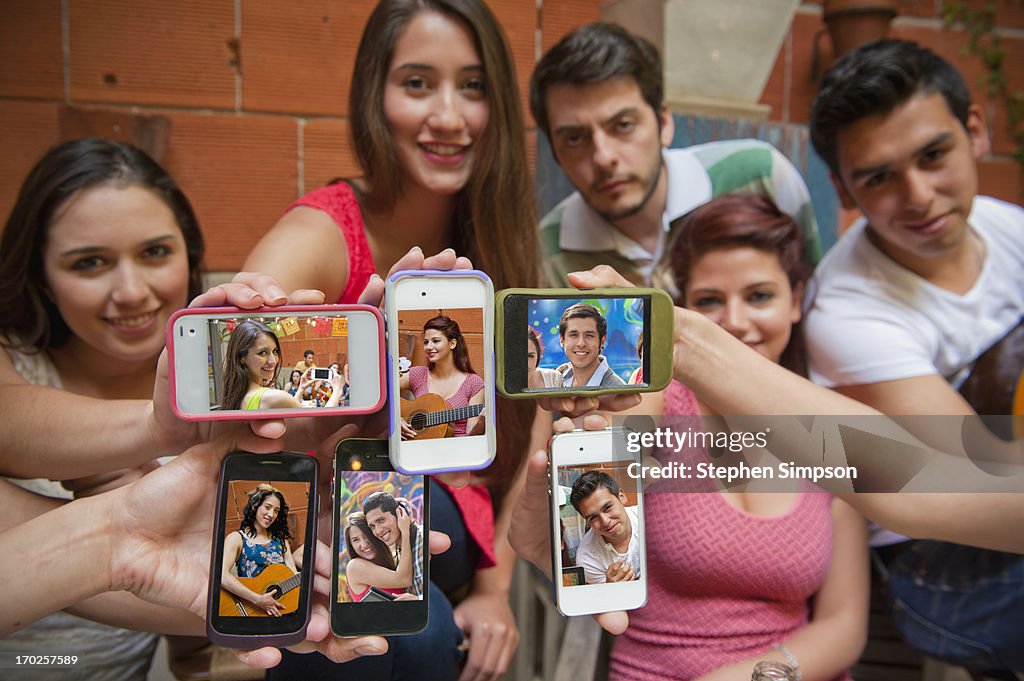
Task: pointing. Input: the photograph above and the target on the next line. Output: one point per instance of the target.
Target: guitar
(431, 417)
(277, 577)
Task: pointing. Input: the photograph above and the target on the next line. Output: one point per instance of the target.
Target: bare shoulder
(304, 249)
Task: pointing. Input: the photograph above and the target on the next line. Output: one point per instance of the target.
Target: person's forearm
(734, 379)
(55, 434)
(46, 580)
(122, 609)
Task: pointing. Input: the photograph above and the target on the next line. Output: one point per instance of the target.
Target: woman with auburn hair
(448, 374)
(738, 263)
(436, 123)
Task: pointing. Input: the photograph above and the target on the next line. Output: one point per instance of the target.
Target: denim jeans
(431, 655)
(959, 604)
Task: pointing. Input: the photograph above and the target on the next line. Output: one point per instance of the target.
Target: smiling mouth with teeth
(444, 149)
(132, 322)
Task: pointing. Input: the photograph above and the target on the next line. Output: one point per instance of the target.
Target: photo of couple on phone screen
(381, 542)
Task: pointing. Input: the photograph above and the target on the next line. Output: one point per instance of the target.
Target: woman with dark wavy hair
(437, 128)
(100, 248)
(448, 374)
(262, 539)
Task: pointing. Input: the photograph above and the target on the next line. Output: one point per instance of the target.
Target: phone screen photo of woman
(261, 541)
(446, 385)
(251, 364)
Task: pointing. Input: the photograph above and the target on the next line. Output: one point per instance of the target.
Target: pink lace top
(723, 584)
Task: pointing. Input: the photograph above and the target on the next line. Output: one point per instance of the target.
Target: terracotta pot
(852, 23)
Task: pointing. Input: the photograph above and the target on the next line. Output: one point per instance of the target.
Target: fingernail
(417, 248)
(277, 292)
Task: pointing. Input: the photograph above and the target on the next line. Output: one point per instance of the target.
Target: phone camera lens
(423, 293)
(191, 332)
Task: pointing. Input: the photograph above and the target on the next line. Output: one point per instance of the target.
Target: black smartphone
(266, 517)
(381, 559)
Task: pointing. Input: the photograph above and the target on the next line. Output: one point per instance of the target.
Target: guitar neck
(436, 418)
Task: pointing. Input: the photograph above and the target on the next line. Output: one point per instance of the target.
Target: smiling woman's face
(746, 292)
(116, 267)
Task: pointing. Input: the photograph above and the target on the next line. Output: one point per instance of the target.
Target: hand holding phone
(598, 551)
(380, 529)
(258, 596)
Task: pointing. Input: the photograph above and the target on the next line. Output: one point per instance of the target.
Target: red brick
(30, 49)
(153, 52)
(298, 56)
(240, 172)
(327, 153)
(27, 130)
(518, 20)
(921, 8)
(1001, 179)
(559, 18)
(774, 94)
(804, 83)
(1009, 13)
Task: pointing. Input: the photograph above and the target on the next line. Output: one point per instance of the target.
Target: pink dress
(723, 584)
(419, 383)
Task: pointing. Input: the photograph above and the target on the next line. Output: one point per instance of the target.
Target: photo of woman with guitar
(260, 577)
(449, 395)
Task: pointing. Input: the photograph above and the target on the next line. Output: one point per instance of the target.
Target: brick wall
(254, 94)
(791, 88)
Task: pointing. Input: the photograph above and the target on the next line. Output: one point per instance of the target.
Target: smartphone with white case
(441, 370)
(599, 560)
(234, 364)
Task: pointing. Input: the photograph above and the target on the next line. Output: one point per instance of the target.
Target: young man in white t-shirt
(610, 549)
(929, 279)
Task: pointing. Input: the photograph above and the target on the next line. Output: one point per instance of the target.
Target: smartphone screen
(380, 556)
(276, 362)
(579, 342)
(597, 516)
(265, 529)
(441, 341)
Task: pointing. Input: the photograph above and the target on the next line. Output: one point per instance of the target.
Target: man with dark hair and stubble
(598, 97)
(929, 280)
(582, 331)
(610, 549)
(381, 511)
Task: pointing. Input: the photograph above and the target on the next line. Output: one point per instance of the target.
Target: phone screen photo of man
(609, 551)
(582, 333)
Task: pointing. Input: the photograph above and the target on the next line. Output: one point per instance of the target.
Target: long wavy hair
(279, 528)
(495, 222)
(449, 328)
(29, 320)
(381, 552)
(235, 374)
